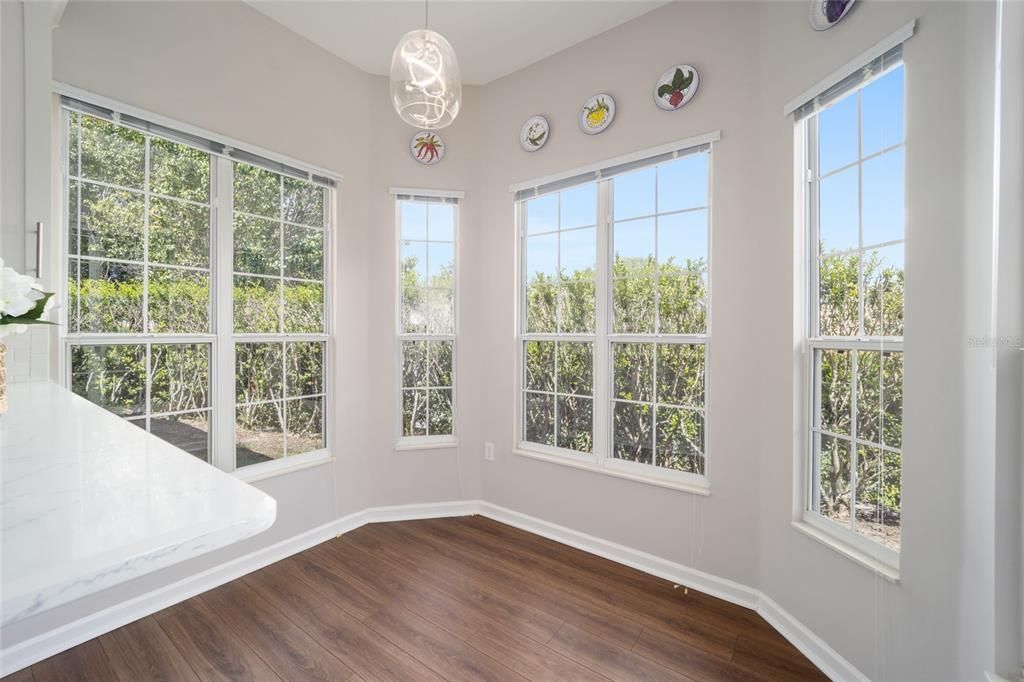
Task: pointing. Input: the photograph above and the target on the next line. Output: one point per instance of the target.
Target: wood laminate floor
(455, 599)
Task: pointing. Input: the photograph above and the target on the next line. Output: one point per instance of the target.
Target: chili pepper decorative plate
(676, 87)
(426, 147)
(597, 114)
(827, 13)
(534, 134)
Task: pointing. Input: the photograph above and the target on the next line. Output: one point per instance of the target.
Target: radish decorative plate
(827, 13)
(597, 114)
(676, 87)
(427, 147)
(534, 134)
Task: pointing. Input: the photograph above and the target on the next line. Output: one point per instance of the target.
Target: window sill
(837, 544)
(426, 443)
(694, 488)
(279, 467)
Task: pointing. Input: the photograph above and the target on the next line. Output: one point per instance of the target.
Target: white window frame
(429, 442)
(221, 341)
(600, 459)
(875, 556)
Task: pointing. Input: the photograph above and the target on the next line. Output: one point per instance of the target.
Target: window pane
(883, 291)
(892, 399)
(441, 264)
(179, 301)
(113, 377)
(680, 439)
(575, 423)
(111, 223)
(414, 311)
(633, 371)
(882, 198)
(180, 377)
(833, 477)
(258, 368)
(74, 192)
(414, 413)
(257, 245)
(837, 135)
(633, 305)
(440, 370)
(179, 171)
(259, 434)
(577, 253)
(112, 153)
(541, 258)
(539, 418)
(414, 364)
(835, 390)
(257, 191)
(634, 248)
(878, 496)
(305, 368)
(179, 233)
(633, 194)
(303, 252)
(633, 437)
(442, 221)
(189, 431)
(838, 213)
(541, 304)
(413, 259)
(682, 303)
(882, 112)
(440, 416)
(578, 206)
(110, 297)
(441, 311)
(837, 291)
(303, 203)
(305, 425)
(577, 300)
(575, 368)
(869, 385)
(73, 123)
(681, 374)
(542, 214)
(683, 183)
(414, 220)
(539, 360)
(683, 242)
(257, 303)
(303, 307)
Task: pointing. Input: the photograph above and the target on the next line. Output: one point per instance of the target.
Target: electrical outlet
(489, 452)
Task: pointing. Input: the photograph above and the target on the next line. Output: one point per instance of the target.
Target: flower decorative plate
(534, 134)
(427, 147)
(676, 87)
(827, 13)
(597, 114)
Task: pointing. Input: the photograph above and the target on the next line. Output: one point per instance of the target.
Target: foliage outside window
(856, 208)
(426, 325)
(143, 334)
(614, 345)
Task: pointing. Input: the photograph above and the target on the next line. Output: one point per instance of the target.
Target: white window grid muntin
(220, 335)
(401, 336)
(816, 343)
(603, 339)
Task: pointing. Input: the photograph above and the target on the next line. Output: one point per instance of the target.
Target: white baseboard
(24, 654)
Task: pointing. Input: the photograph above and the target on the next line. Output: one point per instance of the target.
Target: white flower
(18, 293)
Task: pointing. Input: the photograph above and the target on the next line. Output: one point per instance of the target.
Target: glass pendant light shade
(426, 87)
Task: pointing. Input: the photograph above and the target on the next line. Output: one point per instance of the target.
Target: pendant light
(426, 87)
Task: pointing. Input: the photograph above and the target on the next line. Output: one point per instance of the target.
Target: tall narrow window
(855, 161)
(196, 314)
(614, 316)
(427, 262)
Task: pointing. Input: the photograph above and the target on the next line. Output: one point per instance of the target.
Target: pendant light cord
(426, 14)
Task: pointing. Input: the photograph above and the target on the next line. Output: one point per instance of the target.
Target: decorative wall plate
(827, 13)
(597, 114)
(534, 134)
(676, 87)
(427, 147)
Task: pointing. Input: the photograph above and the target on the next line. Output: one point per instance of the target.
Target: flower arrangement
(22, 301)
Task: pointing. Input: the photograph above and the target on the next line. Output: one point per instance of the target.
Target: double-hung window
(854, 142)
(614, 316)
(195, 298)
(427, 229)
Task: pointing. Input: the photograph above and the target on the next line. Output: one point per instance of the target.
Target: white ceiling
(492, 38)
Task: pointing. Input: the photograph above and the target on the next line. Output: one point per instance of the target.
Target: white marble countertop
(90, 501)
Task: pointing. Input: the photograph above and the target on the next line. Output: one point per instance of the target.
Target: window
(614, 316)
(156, 324)
(427, 259)
(855, 208)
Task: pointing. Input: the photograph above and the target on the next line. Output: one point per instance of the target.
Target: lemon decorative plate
(426, 147)
(597, 114)
(534, 134)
